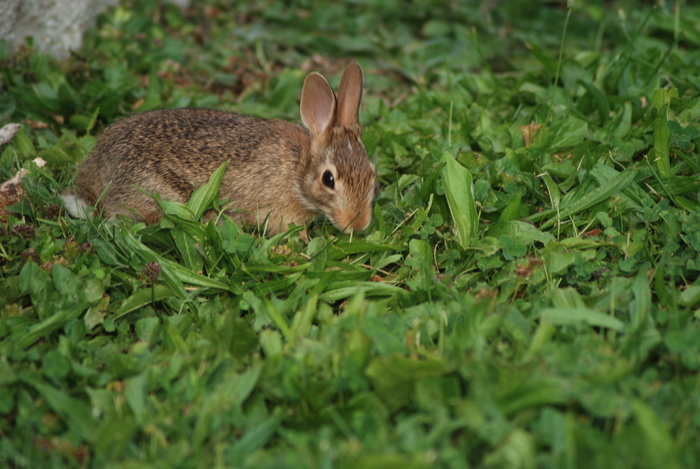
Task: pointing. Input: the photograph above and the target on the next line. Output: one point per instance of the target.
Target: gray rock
(56, 25)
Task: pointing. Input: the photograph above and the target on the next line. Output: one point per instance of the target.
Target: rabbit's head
(338, 178)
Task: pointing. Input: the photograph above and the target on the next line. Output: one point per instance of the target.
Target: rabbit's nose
(353, 220)
(362, 220)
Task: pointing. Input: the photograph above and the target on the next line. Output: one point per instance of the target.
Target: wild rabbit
(279, 172)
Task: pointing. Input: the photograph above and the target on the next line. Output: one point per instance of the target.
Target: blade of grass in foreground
(370, 289)
(614, 186)
(660, 446)
(458, 189)
(634, 194)
(662, 134)
(173, 273)
(207, 193)
(521, 231)
(573, 316)
(75, 412)
(142, 298)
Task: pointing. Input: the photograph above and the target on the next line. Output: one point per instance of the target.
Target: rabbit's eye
(328, 180)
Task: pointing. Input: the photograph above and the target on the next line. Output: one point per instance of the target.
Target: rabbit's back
(196, 138)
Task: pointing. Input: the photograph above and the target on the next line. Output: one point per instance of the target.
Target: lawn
(526, 296)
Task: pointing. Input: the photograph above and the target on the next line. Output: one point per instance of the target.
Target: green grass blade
(143, 297)
(512, 210)
(588, 199)
(662, 133)
(520, 231)
(253, 439)
(135, 394)
(662, 144)
(552, 189)
(534, 393)
(207, 193)
(370, 289)
(637, 197)
(301, 323)
(599, 98)
(557, 73)
(75, 412)
(659, 446)
(457, 181)
(186, 245)
(578, 316)
(174, 273)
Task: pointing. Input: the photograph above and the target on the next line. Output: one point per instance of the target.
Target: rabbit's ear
(317, 103)
(349, 96)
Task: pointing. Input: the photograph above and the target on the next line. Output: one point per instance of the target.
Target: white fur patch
(74, 206)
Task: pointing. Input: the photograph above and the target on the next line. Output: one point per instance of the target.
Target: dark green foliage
(526, 296)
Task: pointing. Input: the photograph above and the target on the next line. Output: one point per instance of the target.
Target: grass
(526, 296)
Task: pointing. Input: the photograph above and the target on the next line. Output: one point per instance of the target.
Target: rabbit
(279, 172)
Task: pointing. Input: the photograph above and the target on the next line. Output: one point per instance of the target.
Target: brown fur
(275, 167)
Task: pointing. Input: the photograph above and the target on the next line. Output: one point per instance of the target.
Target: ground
(526, 296)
